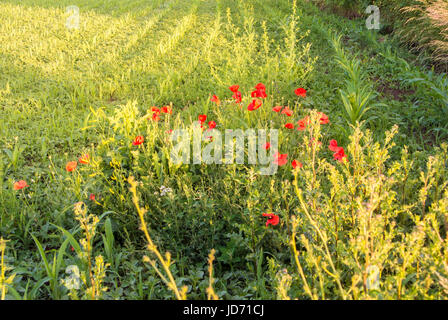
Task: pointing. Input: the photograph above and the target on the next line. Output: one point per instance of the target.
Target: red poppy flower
(277, 108)
(273, 219)
(296, 164)
(138, 140)
(323, 118)
(84, 159)
(260, 91)
(237, 96)
(260, 86)
(333, 145)
(254, 105)
(340, 155)
(92, 197)
(155, 110)
(202, 118)
(266, 146)
(287, 111)
(303, 123)
(167, 109)
(155, 116)
(216, 100)
(259, 94)
(289, 126)
(300, 92)
(71, 166)
(234, 88)
(280, 159)
(212, 125)
(20, 185)
(169, 131)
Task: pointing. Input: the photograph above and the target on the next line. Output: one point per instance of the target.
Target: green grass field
(372, 227)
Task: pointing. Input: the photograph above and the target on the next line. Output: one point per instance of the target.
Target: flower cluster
(236, 93)
(71, 165)
(164, 191)
(156, 112)
(339, 153)
(202, 119)
(259, 92)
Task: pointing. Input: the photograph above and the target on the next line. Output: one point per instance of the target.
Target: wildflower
(289, 126)
(84, 159)
(138, 140)
(216, 100)
(72, 282)
(273, 219)
(19, 185)
(303, 123)
(168, 109)
(254, 105)
(258, 94)
(234, 88)
(202, 118)
(287, 111)
(169, 131)
(237, 97)
(155, 116)
(323, 118)
(333, 145)
(260, 86)
(300, 92)
(71, 166)
(212, 125)
(280, 159)
(260, 91)
(296, 164)
(277, 108)
(155, 110)
(92, 197)
(340, 155)
(266, 146)
(164, 190)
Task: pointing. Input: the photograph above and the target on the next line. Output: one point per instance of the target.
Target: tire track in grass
(74, 57)
(55, 53)
(127, 76)
(148, 25)
(190, 76)
(244, 44)
(248, 56)
(112, 73)
(44, 72)
(186, 24)
(137, 41)
(146, 71)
